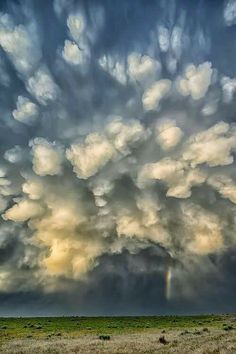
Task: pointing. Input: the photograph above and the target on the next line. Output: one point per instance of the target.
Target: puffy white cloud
(155, 93)
(47, 157)
(72, 249)
(196, 80)
(202, 230)
(224, 185)
(23, 210)
(168, 134)
(150, 206)
(131, 226)
(230, 13)
(176, 41)
(123, 135)
(101, 187)
(42, 86)
(212, 146)
(143, 68)
(76, 25)
(119, 137)
(210, 107)
(26, 112)
(228, 88)
(20, 43)
(72, 54)
(88, 158)
(33, 188)
(14, 155)
(177, 175)
(163, 38)
(115, 68)
(166, 170)
(182, 188)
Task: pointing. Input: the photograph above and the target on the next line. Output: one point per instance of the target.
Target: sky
(117, 157)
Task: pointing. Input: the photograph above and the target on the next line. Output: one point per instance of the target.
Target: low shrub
(104, 337)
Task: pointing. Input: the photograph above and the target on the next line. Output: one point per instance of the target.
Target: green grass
(48, 327)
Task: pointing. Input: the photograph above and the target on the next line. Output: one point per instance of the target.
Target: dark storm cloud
(117, 172)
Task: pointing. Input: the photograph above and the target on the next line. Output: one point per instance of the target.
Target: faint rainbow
(168, 278)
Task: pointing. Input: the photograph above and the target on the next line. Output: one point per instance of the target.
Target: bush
(228, 328)
(162, 340)
(104, 337)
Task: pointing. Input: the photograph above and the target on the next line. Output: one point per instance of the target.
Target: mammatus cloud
(230, 12)
(21, 44)
(42, 86)
(47, 157)
(168, 135)
(118, 152)
(154, 94)
(71, 53)
(26, 112)
(196, 81)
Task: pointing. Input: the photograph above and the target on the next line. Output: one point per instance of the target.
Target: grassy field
(119, 334)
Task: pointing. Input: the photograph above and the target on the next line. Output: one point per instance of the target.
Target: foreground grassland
(197, 334)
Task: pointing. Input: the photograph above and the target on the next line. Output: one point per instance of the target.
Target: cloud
(123, 136)
(76, 25)
(20, 43)
(23, 210)
(108, 173)
(42, 86)
(228, 88)
(72, 54)
(168, 135)
(33, 188)
(163, 38)
(47, 157)
(14, 155)
(205, 228)
(89, 157)
(177, 175)
(143, 68)
(212, 147)
(196, 80)
(230, 13)
(115, 68)
(26, 112)
(224, 185)
(155, 93)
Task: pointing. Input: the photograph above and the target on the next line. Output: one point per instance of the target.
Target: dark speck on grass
(104, 337)
(162, 340)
